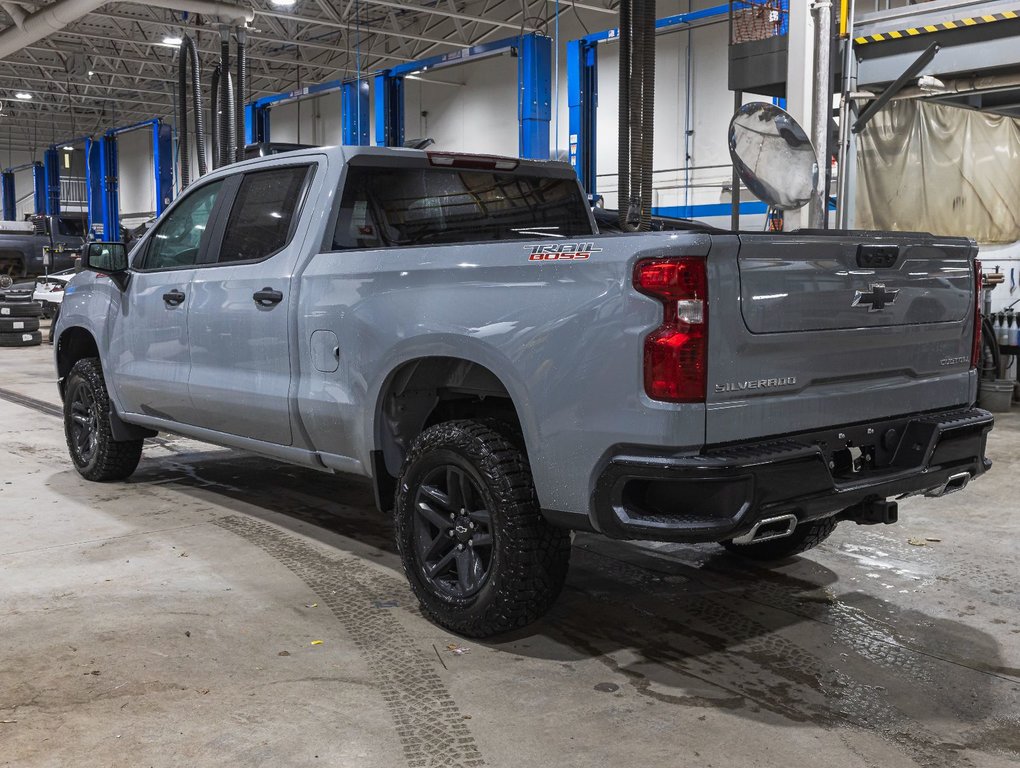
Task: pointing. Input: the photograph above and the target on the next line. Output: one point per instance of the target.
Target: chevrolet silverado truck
(455, 328)
(24, 244)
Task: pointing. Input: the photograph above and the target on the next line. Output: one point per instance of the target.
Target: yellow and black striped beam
(928, 29)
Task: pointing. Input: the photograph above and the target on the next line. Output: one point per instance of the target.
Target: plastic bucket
(995, 395)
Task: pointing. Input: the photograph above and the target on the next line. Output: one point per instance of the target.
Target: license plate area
(852, 452)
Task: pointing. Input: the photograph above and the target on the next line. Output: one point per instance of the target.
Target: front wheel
(94, 452)
(480, 557)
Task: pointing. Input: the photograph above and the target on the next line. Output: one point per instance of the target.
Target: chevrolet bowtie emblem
(875, 299)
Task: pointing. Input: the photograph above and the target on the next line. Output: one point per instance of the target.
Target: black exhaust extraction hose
(623, 145)
(228, 118)
(214, 113)
(647, 32)
(242, 90)
(637, 135)
(225, 123)
(188, 53)
(637, 113)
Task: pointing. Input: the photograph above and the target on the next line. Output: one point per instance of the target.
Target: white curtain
(927, 167)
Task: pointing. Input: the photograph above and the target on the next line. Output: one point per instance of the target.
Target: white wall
(315, 121)
(137, 185)
(475, 112)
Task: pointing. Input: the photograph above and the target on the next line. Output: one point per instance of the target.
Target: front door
(240, 312)
(150, 346)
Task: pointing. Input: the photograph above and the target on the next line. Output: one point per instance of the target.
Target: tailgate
(815, 330)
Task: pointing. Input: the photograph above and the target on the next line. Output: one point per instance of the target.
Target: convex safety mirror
(110, 258)
(773, 156)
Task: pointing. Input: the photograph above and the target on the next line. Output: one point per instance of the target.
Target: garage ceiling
(111, 67)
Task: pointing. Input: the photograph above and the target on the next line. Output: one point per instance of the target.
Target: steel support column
(51, 166)
(356, 108)
(534, 89)
(389, 110)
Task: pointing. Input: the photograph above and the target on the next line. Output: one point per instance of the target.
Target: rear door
(829, 329)
(240, 313)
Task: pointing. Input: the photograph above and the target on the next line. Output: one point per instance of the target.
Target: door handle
(174, 298)
(267, 297)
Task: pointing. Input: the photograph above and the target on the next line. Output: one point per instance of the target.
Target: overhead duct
(34, 27)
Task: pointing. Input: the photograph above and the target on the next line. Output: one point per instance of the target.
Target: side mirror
(109, 259)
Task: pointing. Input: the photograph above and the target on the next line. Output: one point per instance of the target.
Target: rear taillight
(676, 353)
(975, 350)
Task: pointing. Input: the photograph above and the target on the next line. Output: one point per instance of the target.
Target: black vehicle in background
(22, 244)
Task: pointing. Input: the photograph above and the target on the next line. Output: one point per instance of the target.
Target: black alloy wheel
(84, 423)
(453, 531)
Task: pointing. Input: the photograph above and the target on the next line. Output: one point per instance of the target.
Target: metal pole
(738, 102)
(846, 109)
(821, 108)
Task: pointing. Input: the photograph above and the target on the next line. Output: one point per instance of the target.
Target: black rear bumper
(722, 493)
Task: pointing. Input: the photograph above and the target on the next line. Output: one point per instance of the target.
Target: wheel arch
(75, 343)
(427, 390)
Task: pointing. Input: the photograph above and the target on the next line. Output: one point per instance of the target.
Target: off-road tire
(108, 459)
(804, 537)
(19, 325)
(21, 339)
(20, 309)
(529, 558)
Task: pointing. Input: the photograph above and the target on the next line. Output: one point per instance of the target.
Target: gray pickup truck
(23, 244)
(455, 328)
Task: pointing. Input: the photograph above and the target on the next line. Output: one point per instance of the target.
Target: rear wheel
(94, 452)
(804, 537)
(480, 557)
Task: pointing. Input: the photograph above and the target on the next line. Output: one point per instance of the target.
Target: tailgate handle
(877, 256)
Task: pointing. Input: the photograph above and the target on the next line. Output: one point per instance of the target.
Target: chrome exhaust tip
(768, 529)
(955, 483)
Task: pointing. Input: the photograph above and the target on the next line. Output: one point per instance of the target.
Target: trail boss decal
(562, 252)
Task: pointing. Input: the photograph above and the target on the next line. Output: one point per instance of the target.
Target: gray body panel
(303, 381)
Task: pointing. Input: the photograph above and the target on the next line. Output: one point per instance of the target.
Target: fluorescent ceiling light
(67, 148)
(23, 96)
(171, 40)
(283, 3)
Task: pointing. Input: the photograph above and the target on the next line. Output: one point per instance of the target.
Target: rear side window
(387, 207)
(262, 213)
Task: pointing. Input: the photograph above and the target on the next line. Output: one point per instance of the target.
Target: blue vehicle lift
(582, 88)
(102, 174)
(353, 106)
(10, 200)
(534, 90)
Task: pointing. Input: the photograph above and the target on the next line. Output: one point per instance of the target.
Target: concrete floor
(222, 610)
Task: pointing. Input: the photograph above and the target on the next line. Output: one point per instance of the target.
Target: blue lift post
(103, 174)
(582, 88)
(10, 200)
(51, 180)
(354, 106)
(534, 90)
